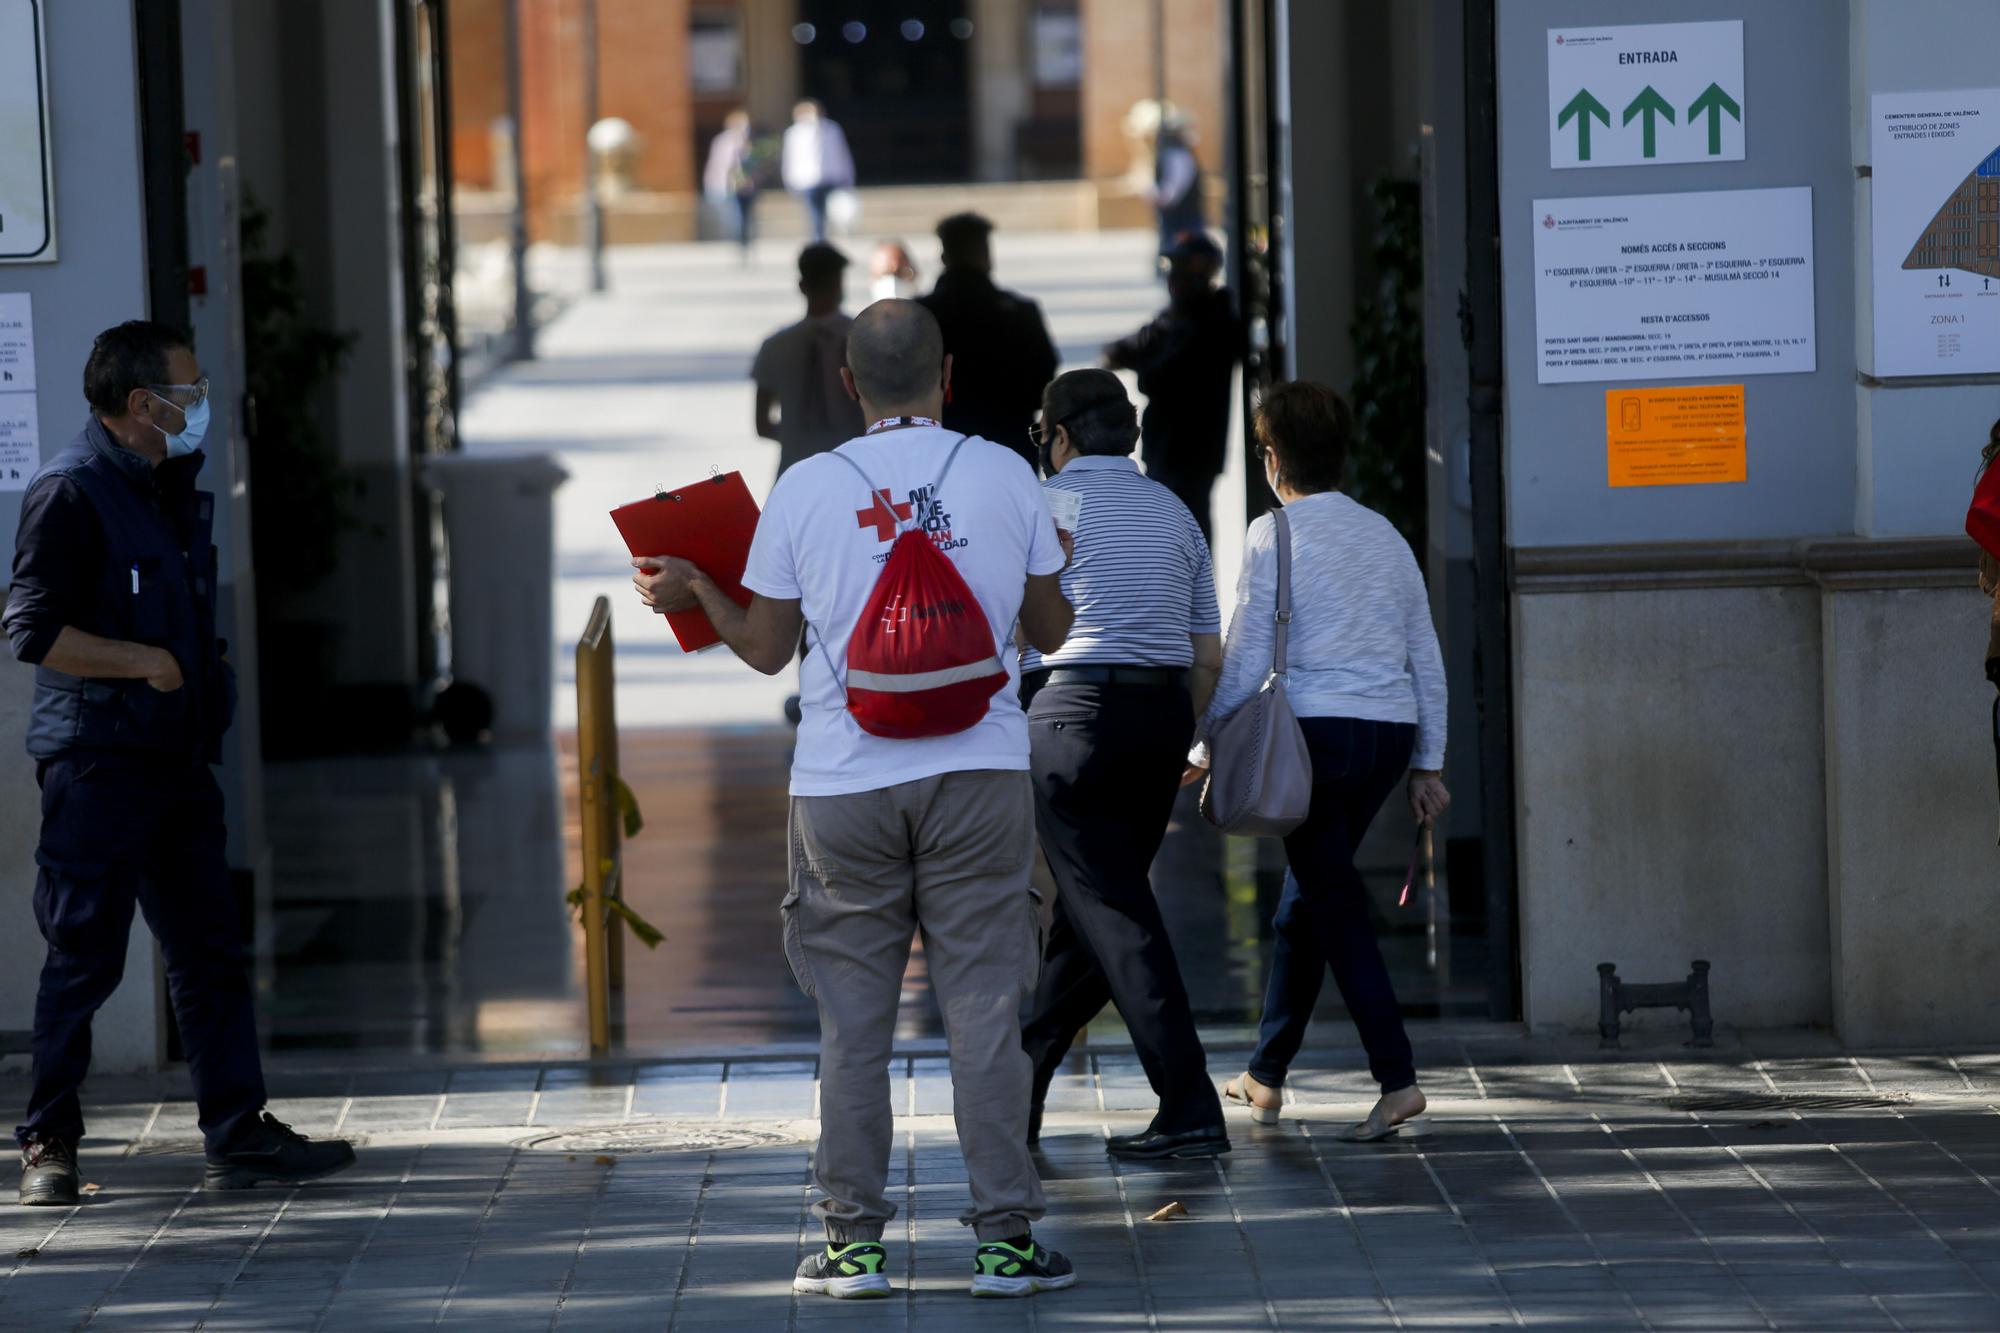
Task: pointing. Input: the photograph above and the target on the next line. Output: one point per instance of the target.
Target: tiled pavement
(1554, 1187)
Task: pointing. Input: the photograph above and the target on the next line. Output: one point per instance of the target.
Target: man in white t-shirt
(893, 836)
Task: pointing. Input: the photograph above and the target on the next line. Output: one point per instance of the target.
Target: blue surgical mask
(192, 430)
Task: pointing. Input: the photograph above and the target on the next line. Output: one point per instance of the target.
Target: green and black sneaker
(1001, 1268)
(845, 1272)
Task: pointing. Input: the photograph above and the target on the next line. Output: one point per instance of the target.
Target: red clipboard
(708, 524)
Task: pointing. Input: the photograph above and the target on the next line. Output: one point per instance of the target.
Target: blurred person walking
(797, 370)
(113, 602)
(1110, 717)
(892, 273)
(892, 836)
(815, 162)
(998, 343)
(732, 177)
(1367, 683)
(1186, 363)
(1177, 194)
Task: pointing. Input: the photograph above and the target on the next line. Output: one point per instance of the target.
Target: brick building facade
(1033, 90)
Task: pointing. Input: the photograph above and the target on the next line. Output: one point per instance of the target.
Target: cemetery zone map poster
(1935, 218)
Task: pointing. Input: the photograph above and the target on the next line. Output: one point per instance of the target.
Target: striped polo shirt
(1141, 582)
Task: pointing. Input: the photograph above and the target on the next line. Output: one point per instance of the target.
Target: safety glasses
(198, 392)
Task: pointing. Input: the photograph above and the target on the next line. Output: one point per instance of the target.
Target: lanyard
(894, 423)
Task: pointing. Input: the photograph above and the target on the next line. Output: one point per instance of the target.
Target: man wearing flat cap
(1001, 354)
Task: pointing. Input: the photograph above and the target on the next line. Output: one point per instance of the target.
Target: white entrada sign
(27, 192)
(1646, 94)
(1716, 284)
(1935, 173)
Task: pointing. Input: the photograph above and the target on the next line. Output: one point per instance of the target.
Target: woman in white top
(1367, 682)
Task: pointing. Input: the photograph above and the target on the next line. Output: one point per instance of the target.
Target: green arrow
(1581, 108)
(1652, 104)
(1714, 101)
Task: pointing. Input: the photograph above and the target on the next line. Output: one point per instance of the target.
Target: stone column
(771, 61)
(1002, 66)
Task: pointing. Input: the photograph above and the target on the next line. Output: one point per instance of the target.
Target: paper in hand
(1066, 506)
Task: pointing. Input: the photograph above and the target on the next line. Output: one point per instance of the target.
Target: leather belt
(1107, 675)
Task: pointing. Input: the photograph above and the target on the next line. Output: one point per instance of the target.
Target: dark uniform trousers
(1107, 763)
(121, 829)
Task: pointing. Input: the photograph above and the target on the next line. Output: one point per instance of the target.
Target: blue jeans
(814, 197)
(1322, 917)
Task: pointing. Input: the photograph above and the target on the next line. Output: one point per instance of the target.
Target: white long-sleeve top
(1362, 644)
(815, 153)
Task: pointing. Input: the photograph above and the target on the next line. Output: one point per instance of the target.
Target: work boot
(267, 1149)
(48, 1173)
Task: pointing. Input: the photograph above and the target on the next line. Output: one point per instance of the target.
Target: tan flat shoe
(1237, 1091)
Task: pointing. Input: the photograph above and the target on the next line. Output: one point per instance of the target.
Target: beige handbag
(1260, 772)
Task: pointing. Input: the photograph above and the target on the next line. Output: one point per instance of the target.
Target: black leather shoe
(1209, 1141)
(48, 1174)
(270, 1150)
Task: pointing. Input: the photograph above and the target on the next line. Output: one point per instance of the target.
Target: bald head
(895, 352)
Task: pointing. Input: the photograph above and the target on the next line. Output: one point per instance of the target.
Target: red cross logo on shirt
(877, 517)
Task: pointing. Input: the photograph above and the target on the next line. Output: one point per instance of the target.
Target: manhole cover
(656, 1138)
(1787, 1101)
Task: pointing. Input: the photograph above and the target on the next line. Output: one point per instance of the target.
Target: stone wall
(1774, 756)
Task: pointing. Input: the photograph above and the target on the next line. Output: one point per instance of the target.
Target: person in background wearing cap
(1109, 717)
(1186, 359)
(797, 370)
(997, 341)
(1177, 194)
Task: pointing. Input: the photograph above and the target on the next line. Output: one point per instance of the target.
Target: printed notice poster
(1646, 95)
(1674, 286)
(1936, 223)
(20, 441)
(17, 342)
(1686, 436)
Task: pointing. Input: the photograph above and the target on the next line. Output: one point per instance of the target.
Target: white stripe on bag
(882, 683)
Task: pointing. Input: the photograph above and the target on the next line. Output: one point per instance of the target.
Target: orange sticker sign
(1689, 436)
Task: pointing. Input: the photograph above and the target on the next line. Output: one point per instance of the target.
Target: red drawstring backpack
(921, 660)
(1982, 520)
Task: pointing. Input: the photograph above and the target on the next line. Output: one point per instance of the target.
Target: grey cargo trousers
(947, 856)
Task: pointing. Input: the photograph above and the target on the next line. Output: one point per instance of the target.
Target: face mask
(191, 432)
(889, 287)
(1271, 478)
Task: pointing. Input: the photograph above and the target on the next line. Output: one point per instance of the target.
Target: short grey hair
(895, 351)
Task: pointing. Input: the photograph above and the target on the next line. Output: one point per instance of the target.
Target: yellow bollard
(597, 779)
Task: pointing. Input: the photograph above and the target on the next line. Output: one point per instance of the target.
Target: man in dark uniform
(1186, 360)
(1001, 355)
(113, 602)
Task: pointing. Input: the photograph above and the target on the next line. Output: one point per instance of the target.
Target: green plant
(304, 498)
(1386, 463)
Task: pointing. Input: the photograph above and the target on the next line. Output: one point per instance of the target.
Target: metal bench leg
(1607, 1005)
